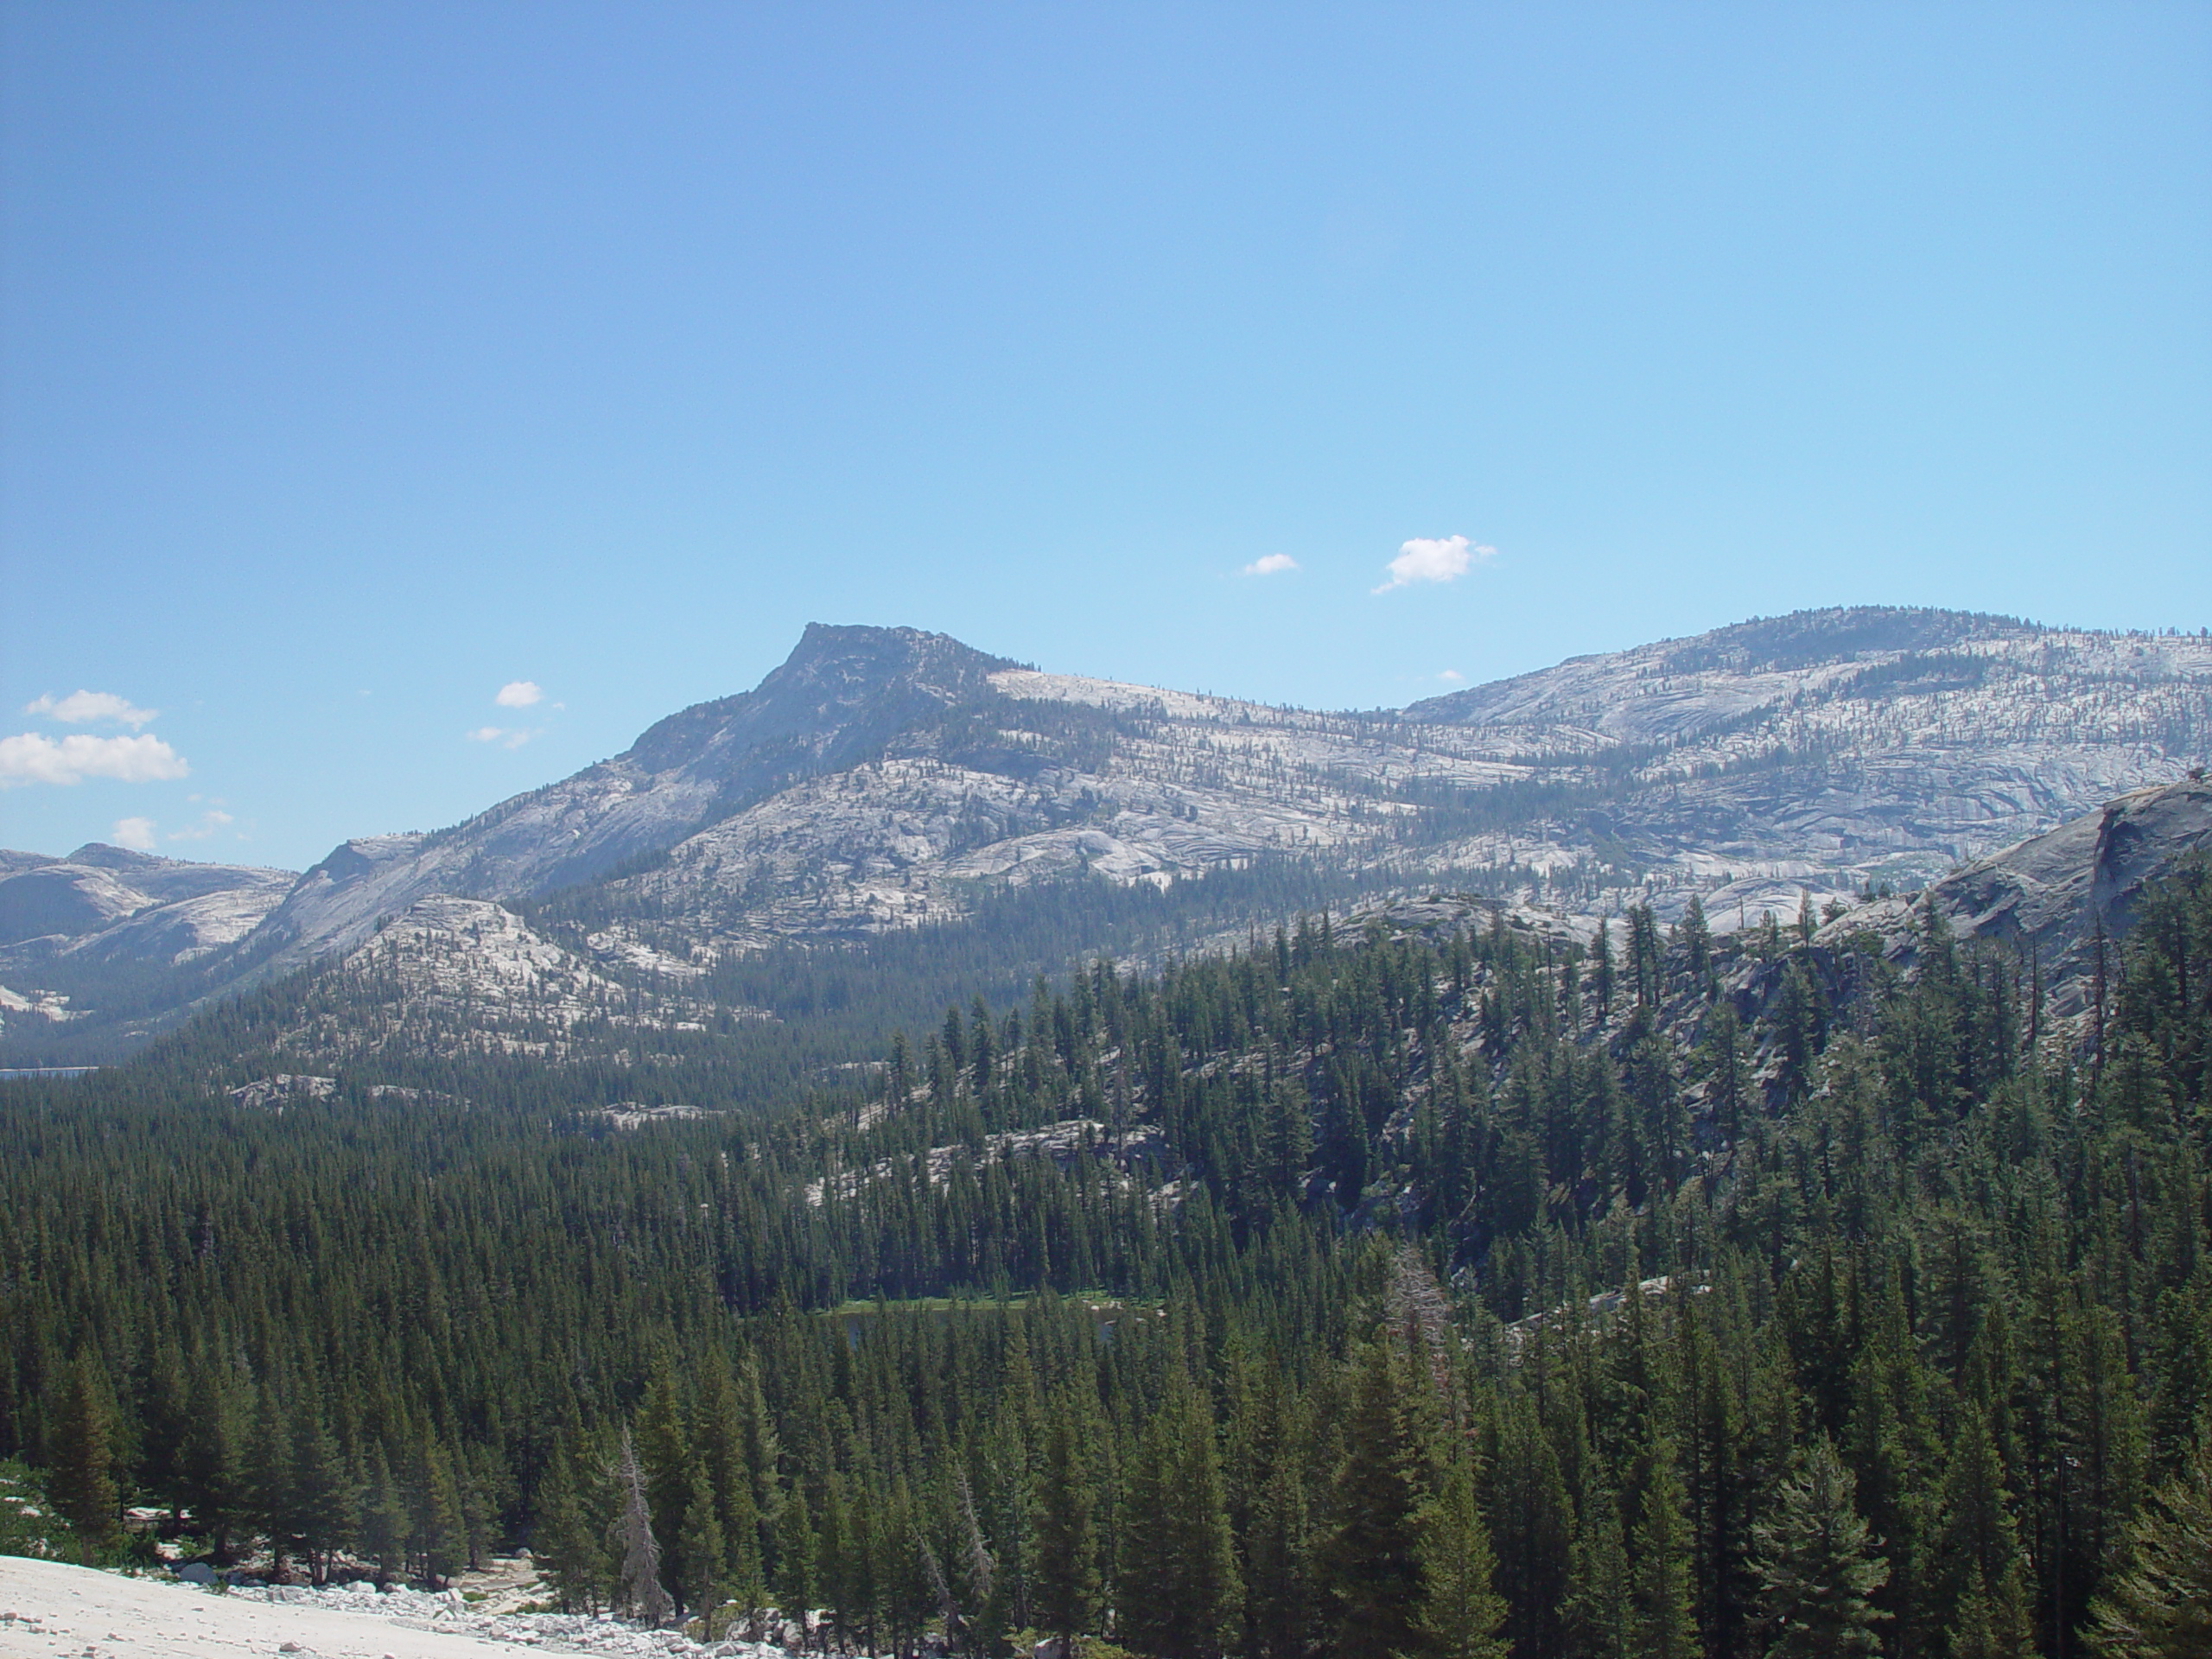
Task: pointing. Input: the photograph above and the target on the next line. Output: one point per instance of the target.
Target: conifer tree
(839, 1555)
(1817, 1565)
(2159, 1604)
(1660, 1554)
(475, 1482)
(1533, 1529)
(1178, 1597)
(268, 1471)
(700, 1555)
(1372, 1563)
(1600, 1605)
(213, 1460)
(1460, 1611)
(1694, 937)
(664, 1453)
(800, 1582)
(1986, 1625)
(1067, 1533)
(744, 1578)
(1978, 1572)
(382, 1533)
(637, 1581)
(721, 1436)
(318, 1513)
(434, 1535)
(1279, 1594)
(570, 1560)
(81, 1482)
(1601, 970)
(762, 1453)
(1724, 1059)
(978, 1571)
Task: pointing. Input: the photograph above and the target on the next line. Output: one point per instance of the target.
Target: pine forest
(1421, 1284)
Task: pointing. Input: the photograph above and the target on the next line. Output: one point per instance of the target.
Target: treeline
(1446, 1282)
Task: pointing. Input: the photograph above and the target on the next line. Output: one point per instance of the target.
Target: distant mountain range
(885, 778)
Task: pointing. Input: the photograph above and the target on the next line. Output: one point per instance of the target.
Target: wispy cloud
(1441, 559)
(136, 834)
(34, 758)
(213, 819)
(1272, 564)
(519, 694)
(501, 735)
(1451, 677)
(81, 706)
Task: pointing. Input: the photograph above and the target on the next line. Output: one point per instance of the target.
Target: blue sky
(358, 361)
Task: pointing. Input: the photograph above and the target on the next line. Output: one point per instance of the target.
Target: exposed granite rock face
(464, 976)
(2055, 895)
(107, 901)
(883, 778)
(1817, 755)
(840, 697)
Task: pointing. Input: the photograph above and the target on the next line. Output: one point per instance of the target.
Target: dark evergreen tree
(1179, 1596)
(700, 1563)
(1817, 1563)
(570, 1561)
(2158, 1605)
(81, 1481)
(382, 1531)
(1461, 1611)
(1372, 1564)
(1600, 1607)
(1067, 1539)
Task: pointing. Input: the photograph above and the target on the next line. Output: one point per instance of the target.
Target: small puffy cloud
(1451, 677)
(1272, 564)
(519, 694)
(1437, 559)
(502, 736)
(136, 834)
(81, 706)
(34, 758)
(213, 819)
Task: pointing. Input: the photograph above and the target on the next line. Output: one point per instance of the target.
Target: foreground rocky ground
(48, 1610)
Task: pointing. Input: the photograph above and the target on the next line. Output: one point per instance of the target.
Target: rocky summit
(882, 779)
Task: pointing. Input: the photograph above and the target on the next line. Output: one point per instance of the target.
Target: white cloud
(518, 694)
(1451, 677)
(1272, 564)
(136, 834)
(80, 706)
(488, 734)
(32, 758)
(1423, 559)
(210, 821)
(502, 736)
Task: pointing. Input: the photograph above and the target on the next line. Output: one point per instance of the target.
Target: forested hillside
(1435, 1286)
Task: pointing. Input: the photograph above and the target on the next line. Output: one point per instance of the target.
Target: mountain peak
(839, 676)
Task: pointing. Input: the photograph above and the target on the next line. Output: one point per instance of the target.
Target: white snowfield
(48, 1610)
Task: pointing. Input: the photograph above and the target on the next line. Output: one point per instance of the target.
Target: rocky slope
(2055, 896)
(882, 778)
(463, 976)
(842, 693)
(1833, 752)
(103, 908)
